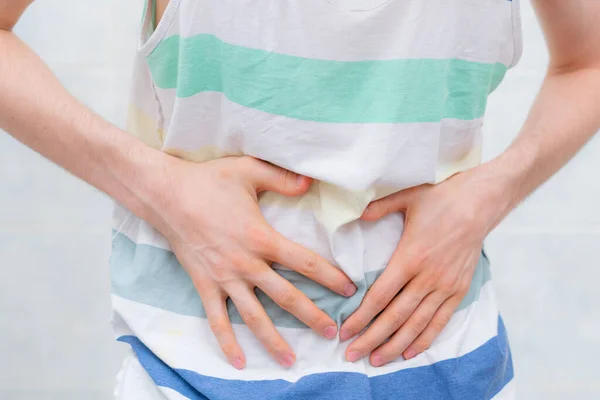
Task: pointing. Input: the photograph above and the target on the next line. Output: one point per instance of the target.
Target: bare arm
(221, 240)
(446, 223)
(566, 113)
(38, 111)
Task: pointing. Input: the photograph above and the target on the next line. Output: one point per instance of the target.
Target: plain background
(55, 337)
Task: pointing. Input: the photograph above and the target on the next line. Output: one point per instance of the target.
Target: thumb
(266, 176)
(394, 202)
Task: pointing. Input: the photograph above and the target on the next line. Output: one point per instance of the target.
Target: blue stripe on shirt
(477, 375)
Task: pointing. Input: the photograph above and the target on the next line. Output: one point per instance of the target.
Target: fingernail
(353, 356)
(287, 360)
(345, 334)
(330, 332)
(377, 361)
(238, 363)
(349, 289)
(410, 353)
(299, 180)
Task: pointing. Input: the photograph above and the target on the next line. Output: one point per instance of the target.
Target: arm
(566, 113)
(446, 223)
(39, 112)
(221, 240)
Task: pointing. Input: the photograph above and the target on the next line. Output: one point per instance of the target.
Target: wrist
(502, 183)
(156, 191)
(138, 178)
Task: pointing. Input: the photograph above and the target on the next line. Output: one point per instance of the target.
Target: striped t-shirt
(368, 97)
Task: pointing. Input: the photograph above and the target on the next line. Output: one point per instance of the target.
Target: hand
(213, 223)
(429, 273)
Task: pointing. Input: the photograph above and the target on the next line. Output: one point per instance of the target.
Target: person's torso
(367, 97)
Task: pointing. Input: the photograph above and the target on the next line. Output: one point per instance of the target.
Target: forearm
(39, 112)
(565, 115)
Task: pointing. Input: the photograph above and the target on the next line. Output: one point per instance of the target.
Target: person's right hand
(213, 223)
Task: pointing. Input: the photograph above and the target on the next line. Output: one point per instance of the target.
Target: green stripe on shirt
(376, 91)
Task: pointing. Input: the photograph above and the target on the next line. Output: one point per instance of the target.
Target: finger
(385, 288)
(408, 332)
(288, 297)
(213, 299)
(257, 320)
(395, 202)
(266, 176)
(218, 319)
(391, 319)
(310, 264)
(434, 328)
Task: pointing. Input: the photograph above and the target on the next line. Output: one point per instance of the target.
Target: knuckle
(228, 170)
(440, 322)
(202, 285)
(448, 285)
(282, 174)
(420, 345)
(260, 238)
(315, 321)
(446, 290)
(247, 162)
(399, 316)
(214, 257)
(378, 207)
(287, 300)
(419, 324)
(227, 269)
(237, 260)
(286, 177)
(463, 288)
(412, 299)
(239, 271)
(428, 283)
(252, 320)
(418, 254)
(379, 298)
(218, 326)
(311, 264)
(220, 269)
(413, 266)
(417, 247)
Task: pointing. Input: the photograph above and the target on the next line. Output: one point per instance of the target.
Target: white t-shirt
(368, 97)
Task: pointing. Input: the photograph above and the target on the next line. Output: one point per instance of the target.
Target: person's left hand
(431, 269)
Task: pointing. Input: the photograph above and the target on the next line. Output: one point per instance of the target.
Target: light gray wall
(55, 341)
